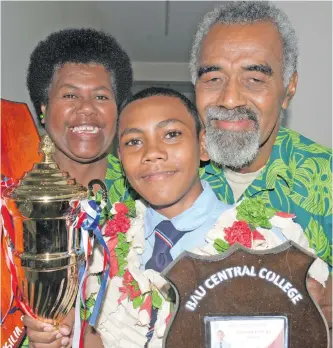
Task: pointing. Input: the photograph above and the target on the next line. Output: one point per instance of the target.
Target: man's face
(81, 113)
(160, 151)
(240, 91)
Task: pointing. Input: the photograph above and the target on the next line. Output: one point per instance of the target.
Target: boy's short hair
(77, 46)
(168, 92)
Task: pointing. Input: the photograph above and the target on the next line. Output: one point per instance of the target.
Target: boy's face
(160, 152)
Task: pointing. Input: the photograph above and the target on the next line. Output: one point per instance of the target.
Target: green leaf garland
(255, 212)
(156, 299)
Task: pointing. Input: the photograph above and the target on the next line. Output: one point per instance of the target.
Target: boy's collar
(191, 218)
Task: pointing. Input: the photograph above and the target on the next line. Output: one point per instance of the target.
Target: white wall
(311, 110)
(23, 24)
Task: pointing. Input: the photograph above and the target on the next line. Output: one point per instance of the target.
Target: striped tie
(166, 236)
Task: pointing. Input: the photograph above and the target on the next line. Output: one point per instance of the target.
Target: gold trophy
(47, 252)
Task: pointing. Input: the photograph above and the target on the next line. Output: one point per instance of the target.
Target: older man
(244, 67)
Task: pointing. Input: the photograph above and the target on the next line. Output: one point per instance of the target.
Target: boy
(161, 142)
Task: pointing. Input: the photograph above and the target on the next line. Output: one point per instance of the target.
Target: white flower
(113, 209)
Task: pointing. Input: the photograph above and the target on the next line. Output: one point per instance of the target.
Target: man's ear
(202, 140)
(291, 90)
(118, 152)
(43, 108)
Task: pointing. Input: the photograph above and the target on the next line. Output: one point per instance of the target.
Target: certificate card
(246, 332)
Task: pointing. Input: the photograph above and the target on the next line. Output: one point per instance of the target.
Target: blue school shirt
(198, 219)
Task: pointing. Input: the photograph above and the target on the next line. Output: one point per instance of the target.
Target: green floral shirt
(118, 187)
(296, 179)
(118, 190)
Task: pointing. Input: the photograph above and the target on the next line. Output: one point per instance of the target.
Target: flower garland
(250, 214)
(116, 229)
(132, 293)
(255, 225)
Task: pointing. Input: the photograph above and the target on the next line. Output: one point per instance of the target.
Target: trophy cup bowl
(46, 253)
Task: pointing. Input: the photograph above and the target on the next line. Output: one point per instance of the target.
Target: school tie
(166, 236)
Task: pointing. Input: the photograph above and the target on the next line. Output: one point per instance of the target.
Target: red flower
(121, 208)
(239, 232)
(132, 287)
(119, 224)
(123, 223)
(111, 229)
(133, 293)
(128, 278)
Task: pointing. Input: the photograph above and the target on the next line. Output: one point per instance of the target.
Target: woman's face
(81, 113)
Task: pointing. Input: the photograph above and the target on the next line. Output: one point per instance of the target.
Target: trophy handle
(102, 185)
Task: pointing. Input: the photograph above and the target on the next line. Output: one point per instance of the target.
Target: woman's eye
(173, 134)
(133, 142)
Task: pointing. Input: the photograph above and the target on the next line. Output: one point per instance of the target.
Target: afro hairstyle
(77, 46)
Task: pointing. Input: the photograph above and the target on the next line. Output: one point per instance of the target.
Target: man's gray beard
(228, 148)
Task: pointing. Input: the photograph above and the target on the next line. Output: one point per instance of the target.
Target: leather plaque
(242, 295)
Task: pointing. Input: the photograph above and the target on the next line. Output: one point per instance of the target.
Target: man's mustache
(237, 114)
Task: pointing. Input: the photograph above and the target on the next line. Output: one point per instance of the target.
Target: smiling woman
(81, 113)
(77, 80)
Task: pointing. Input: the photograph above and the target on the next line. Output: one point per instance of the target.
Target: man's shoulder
(306, 167)
(296, 144)
(300, 158)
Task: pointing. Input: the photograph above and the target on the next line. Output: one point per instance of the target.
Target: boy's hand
(43, 335)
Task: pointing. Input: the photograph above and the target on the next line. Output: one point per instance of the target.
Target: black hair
(168, 92)
(77, 46)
